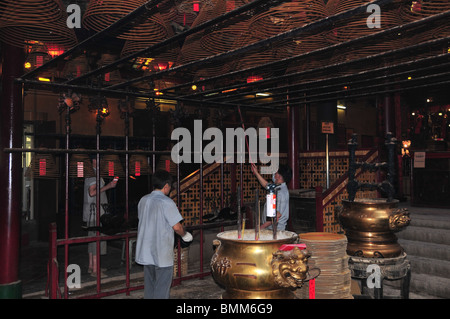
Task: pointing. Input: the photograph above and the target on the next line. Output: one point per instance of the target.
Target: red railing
(54, 291)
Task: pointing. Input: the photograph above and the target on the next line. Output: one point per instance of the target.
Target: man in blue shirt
(159, 218)
(280, 178)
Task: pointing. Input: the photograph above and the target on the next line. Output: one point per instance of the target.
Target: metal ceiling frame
(125, 89)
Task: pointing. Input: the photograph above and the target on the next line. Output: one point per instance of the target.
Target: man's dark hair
(161, 178)
(286, 172)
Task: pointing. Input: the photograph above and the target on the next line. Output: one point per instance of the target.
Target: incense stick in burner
(239, 216)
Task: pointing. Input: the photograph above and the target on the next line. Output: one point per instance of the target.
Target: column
(11, 122)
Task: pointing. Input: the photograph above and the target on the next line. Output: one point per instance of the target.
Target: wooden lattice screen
(312, 174)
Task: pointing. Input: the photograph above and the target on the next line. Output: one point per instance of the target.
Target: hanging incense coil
(415, 10)
(110, 166)
(42, 166)
(357, 27)
(252, 59)
(165, 163)
(139, 165)
(80, 166)
(111, 76)
(192, 49)
(221, 40)
(100, 14)
(22, 21)
(76, 67)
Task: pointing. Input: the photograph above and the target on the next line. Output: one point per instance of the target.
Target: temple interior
(349, 97)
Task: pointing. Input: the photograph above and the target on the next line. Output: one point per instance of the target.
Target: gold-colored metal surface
(370, 224)
(289, 268)
(244, 266)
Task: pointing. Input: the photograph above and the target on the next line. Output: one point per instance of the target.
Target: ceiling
(261, 54)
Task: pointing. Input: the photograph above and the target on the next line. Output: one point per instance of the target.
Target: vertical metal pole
(201, 215)
(256, 218)
(319, 209)
(52, 265)
(11, 128)
(127, 173)
(327, 159)
(222, 188)
(66, 230)
(239, 214)
(97, 197)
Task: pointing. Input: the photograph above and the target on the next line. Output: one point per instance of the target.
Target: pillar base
(11, 291)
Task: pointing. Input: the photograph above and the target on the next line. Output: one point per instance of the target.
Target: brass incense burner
(257, 269)
(370, 226)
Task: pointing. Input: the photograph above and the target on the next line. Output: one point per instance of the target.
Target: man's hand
(187, 238)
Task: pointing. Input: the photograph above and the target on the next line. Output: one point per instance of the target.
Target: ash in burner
(249, 235)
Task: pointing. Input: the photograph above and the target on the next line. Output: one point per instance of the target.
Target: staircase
(426, 242)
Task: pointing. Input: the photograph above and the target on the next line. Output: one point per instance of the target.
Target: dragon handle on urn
(290, 268)
(399, 219)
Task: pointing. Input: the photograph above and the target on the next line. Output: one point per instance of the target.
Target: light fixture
(69, 100)
(265, 94)
(405, 148)
(98, 104)
(254, 78)
(194, 87)
(341, 107)
(42, 79)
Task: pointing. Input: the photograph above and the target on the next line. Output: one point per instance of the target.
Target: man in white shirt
(159, 218)
(280, 178)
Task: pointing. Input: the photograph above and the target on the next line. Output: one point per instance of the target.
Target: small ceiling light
(194, 87)
(341, 107)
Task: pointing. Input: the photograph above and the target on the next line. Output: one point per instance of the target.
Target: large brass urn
(257, 269)
(370, 226)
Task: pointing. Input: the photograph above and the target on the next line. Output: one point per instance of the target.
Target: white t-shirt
(157, 215)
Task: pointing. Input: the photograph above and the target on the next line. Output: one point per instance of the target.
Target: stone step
(430, 285)
(425, 234)
(429, 266)
(425, 249)
(431, 221)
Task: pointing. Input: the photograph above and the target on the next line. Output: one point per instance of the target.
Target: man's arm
(261, 179)
(93, 188)
(179, 229)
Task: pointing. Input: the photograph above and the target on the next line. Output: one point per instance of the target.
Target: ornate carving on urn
(290, 268)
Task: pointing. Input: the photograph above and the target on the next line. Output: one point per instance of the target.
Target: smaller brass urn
(370, 226)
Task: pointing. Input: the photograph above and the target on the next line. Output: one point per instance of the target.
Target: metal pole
(11, 128)
(327, 159)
